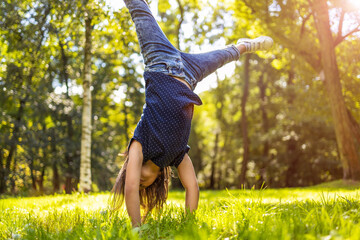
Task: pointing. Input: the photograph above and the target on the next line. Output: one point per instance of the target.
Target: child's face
(149, 172)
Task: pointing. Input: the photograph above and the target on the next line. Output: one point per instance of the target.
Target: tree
(301, 37)
(344, 128)
(24, 68)
(244, 122)
(85, 160)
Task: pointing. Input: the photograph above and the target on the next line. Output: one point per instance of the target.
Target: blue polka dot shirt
(165, 124)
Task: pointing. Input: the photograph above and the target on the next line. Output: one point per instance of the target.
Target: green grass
(339, 184)
(310, 213)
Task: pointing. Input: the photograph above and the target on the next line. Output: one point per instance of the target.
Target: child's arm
(132, 182)
(189, 181)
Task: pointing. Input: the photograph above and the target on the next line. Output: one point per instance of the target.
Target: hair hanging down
(154, 196)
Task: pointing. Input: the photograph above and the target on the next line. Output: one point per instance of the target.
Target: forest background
(287, 118)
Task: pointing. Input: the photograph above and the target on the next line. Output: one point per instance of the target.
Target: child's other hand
(140, 230)
(136, 230)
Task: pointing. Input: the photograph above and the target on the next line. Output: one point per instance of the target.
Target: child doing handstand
(161, 136)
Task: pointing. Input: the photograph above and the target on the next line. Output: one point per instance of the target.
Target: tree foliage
(285, 107)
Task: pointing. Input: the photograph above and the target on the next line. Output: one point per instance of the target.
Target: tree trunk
(85, 161)
(219, 181)
(14, 141)
(56, 178)
(181, 20)
(33, 177)
(126, 124)
(213, 163)
(342, 124)
(2, 173)
(68, 184)
(265, 128)
(41, 180)
(244, 124)
(13, 179)
(227, 160)
(69, 157)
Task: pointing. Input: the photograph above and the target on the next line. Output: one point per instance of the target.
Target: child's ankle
(241, 47)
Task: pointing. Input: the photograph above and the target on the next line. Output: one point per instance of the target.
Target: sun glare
(355, 4)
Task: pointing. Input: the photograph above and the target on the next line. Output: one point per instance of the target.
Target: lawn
(321, 212)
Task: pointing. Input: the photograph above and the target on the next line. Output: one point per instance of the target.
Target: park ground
(328, 211)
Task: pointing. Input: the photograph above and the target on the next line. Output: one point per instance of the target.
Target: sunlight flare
(350, 5)
(355, 4)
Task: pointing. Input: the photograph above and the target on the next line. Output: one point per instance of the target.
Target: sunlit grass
(312, 213)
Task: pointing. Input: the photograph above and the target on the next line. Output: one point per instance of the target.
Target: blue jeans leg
(161, 56)
(199, 66)
(158, 53)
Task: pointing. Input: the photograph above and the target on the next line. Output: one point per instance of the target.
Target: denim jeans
(161, 56)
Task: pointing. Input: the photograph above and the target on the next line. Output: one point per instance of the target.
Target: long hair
(154, 196)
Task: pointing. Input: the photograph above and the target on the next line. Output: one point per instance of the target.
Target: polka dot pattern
(165, 124)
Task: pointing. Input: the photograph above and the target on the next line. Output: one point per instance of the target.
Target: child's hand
(136, 230)
(140, 230)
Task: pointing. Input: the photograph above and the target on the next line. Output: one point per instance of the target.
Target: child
(161, 136)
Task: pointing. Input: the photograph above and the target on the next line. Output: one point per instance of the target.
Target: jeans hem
(236, 49)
